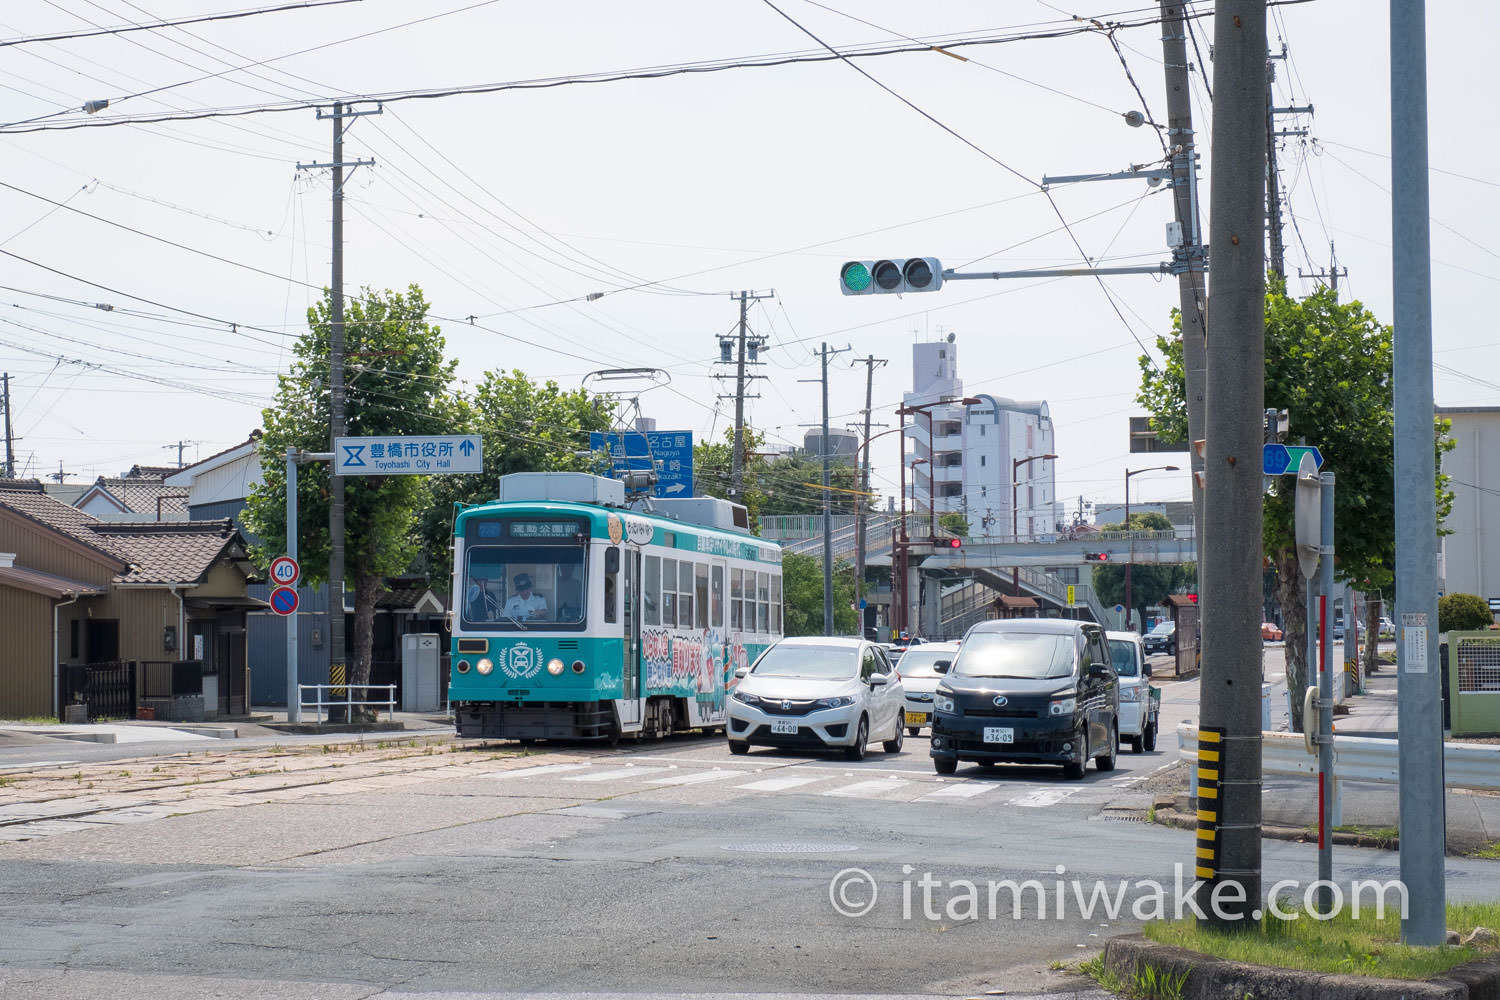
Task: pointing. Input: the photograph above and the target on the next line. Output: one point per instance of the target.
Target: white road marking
(778, 784)
(35, 763)
(1041, 798)
(526, 772)
(619, 772)
(697, 777)
(870, 789)
(966, 790)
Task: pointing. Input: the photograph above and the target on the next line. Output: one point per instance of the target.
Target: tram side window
(700, 594)
(652, 588)
(763, 602)
(669, 592)
(684, 594)
(776, 603)
(716, 607)
(736, 591)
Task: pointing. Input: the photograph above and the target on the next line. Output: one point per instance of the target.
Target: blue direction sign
(400, 455)
(670, 453)
(1284, 459)
(283, 600)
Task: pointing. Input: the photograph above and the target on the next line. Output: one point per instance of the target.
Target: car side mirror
(1099, 670)
(941, 666)
(1148, 670)
(876, 680)
(742, 673)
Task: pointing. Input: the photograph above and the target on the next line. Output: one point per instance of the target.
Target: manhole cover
(786, 847)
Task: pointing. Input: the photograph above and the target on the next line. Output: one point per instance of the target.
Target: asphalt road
(668, 868)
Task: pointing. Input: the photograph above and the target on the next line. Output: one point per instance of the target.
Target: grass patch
(1146, 981)
(1363, 945)
(1492, 852)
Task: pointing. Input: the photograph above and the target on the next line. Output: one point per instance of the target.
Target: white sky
(512, 207)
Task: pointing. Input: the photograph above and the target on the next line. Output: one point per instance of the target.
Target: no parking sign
(283, 600)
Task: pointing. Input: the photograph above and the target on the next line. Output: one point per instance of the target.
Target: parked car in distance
(818, 693)
(1031, 691)
(1161, 639)
(1270, 631)
(1140, 703)
(919, 677)
(1387, 628)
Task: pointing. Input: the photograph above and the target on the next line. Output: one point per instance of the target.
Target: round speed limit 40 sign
(284, 571)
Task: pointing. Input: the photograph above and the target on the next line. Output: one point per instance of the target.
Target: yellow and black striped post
(1210, 768)
(337, 689)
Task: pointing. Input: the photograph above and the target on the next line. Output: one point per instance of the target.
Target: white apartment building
(981, 455)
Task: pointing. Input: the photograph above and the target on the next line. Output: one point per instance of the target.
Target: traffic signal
(947, 543)
(876, 277)
(1096, 556)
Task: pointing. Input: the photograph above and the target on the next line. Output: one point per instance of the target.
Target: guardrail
(348, 701)
(1356, 758)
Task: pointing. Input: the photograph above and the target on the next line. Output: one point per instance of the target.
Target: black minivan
(1028, 691)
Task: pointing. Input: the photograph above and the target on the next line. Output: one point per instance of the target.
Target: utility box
(419, 672)
(1474, 683)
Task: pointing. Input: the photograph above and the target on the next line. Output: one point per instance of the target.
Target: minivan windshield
(1015, 654)
(1122, 655)
(1164, 628)
(820, 662)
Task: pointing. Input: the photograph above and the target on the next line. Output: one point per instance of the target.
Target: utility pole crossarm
(1164, 267)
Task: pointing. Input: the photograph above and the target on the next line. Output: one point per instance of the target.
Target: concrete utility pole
(861, 512)
(1230, 560)
(1419, 709)
(336, 641)
(737, 460)
(1190, 257)
(10, 455)
(824, 352)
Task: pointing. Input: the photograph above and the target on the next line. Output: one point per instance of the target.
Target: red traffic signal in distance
(1096, 556)
(947, 543)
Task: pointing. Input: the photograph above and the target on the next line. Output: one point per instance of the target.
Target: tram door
(631, 668)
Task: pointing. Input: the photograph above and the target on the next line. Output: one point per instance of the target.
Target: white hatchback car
(817, 692)
(919, 676)
(1140, 704)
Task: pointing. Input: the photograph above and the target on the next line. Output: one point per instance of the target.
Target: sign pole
(1325, 703)
(293, 695)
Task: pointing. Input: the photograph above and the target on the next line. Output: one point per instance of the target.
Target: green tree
(1150, 583)
(524, 426)
(802, 587)
(1463, 613)
(1329, 364)
(773, 486)
(397, 383)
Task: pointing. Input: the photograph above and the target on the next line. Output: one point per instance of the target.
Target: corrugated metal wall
(26, 654)
(267, 644)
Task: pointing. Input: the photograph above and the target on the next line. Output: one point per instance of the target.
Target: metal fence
(108, 689)
(329, 696)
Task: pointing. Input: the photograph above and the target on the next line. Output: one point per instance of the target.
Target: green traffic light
(855, 276)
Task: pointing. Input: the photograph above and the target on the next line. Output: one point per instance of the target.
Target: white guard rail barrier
(346, 699)
(1356, 758)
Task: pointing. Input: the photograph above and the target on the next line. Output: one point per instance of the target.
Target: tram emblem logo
(523, 662)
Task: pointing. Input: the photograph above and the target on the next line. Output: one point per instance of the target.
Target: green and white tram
(576, 617)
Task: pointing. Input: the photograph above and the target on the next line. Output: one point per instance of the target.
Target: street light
(1131, 537)
(1015, 512)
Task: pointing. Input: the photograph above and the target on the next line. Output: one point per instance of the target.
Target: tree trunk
(1291, 593)
(367, 590)
(1374, 608)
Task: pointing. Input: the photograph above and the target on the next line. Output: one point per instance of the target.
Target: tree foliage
(1329, 364)
(1150, 583)
(774, 485)
(397, 384)
(802, 587)
(1463, 613)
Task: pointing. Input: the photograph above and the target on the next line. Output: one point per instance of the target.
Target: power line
(228, 16)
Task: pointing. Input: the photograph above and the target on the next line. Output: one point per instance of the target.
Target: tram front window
(512, 587)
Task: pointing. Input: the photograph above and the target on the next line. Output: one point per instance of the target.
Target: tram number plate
(916, 718)
(789, 728)
(999, 734)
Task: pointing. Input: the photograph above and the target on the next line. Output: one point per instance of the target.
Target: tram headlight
(485, 665)
(555, 666)
(578, 666)
(463, 666)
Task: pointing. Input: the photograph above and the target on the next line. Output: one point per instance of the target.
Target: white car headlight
(1062, 706)
(838, 702)
(943, 702)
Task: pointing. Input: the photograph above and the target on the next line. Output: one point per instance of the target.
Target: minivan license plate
(998, 734)
(789, 728)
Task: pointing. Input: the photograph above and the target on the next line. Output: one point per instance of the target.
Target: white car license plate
(999, 734)
(779, 726)
(916, 718)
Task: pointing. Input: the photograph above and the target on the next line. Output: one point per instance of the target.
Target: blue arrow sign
(1285, 459)
(409, 455)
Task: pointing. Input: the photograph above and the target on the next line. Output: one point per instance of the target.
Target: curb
(1167, 814)
(1217, 979)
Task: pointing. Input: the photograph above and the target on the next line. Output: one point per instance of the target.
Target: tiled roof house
(76, 589)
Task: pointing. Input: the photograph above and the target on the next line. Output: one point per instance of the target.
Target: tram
(577, 617)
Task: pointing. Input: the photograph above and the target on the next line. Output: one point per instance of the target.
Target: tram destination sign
(415, 455)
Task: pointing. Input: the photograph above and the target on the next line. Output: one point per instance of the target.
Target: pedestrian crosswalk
(816, 777)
